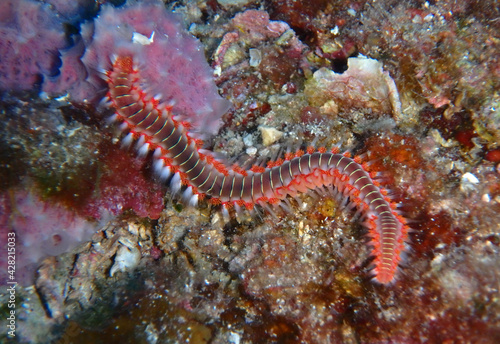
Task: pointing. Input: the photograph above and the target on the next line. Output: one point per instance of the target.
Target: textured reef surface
(105, 253)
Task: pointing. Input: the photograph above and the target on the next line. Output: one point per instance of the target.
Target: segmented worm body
(176, 153)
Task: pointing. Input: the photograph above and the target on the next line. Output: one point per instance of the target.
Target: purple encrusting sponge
(30, 39)
(171, 61)
(41, 229)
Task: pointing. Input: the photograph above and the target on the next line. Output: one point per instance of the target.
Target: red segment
(199, 143)
(184, 179)
(239, 170)
(249, 205)
(221, 168)
(124, 64)
(215, 201)
(257, 169)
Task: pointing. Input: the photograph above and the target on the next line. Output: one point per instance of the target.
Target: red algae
(436, 230)
(278, 66)
(493, 155)
(299, 14)
(123, 184)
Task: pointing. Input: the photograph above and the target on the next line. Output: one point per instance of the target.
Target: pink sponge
(171, 61)
(30, 39)
(41, 229)
(71, 77)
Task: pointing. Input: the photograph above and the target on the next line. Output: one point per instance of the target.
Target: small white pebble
(438, 259)
(468, 182)
(251, 151)
(127, 257)
(428, 18)
(133, 228)
(248, 140)
(469, 177)
(440, 246)
(234, 338)
(269, 135)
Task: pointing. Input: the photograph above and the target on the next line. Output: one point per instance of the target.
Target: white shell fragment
(127, 257)
(468, 182)
(269, 135)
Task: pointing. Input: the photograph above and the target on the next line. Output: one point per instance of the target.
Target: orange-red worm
(151, 123)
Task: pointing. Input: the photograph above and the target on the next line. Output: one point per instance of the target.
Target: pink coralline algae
(252, 33)
(30, 39)
(170, 59)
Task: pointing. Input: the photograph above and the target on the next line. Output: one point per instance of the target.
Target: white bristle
(239, 212)
(193, 201)
(164, 113)
(143, 151)
(186, 195)
(123, 126)
(102, 70)
(141, 141)
(165, 173)
(105, 102)
(127, 140)
(175, 183)
(158, 166)
(157, 152)
(225, 213)
(190, 198)
(111, 119)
